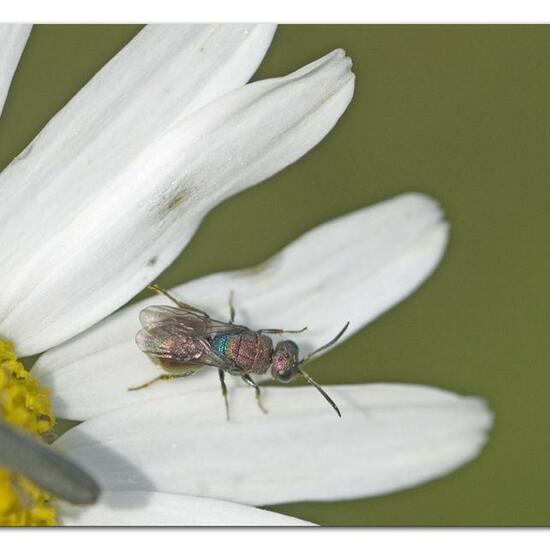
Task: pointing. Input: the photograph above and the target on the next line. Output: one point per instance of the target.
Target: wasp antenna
(321, 391)
(327, 345)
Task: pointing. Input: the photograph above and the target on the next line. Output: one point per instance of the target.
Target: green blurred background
(459, 112)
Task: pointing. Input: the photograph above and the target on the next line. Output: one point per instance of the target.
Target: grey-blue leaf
(45, 467)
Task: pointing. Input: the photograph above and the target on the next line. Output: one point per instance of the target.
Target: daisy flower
(106, 197)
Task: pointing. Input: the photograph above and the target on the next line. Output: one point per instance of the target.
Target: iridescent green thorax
(221, 344)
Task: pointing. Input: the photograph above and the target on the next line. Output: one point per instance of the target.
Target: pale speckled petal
(352, 269)
(142, 508)
(389, 437)
(13, 38)
(130, 207)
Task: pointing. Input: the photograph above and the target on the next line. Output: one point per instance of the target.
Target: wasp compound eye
(285, 376)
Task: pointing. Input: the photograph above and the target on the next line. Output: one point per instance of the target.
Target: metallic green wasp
(184, 339)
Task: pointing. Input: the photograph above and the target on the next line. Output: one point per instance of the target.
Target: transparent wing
(181, 319)
(175, 342)
(195, 320)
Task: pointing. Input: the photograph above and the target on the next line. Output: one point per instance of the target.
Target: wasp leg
(280, 331)
(221, 373)
(253, 384)
(181, 305)
(231, 308)
(157, 379)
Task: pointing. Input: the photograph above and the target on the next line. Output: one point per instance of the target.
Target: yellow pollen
(23, 404)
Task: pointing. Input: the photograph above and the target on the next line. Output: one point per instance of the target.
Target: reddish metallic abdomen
(250, 351)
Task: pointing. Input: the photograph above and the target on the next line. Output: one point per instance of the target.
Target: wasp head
(284, 361)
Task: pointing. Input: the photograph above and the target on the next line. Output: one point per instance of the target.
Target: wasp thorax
(284, 361)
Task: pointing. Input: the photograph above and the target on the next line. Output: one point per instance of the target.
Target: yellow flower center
(24, 404)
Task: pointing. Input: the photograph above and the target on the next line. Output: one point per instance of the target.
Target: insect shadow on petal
(184, 339)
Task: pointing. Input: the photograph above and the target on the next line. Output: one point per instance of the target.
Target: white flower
(106, 197)
(112, 189)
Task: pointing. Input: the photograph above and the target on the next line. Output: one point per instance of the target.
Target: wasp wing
(174, 335)
(154, 316)
(195, 320)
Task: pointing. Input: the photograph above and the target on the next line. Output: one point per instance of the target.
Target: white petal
(389, 437)
(127, 508)
(55, 192)
(352, 268)
(73, 261)
(13, 38)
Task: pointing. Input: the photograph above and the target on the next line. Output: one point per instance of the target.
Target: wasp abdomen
(251, 352)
